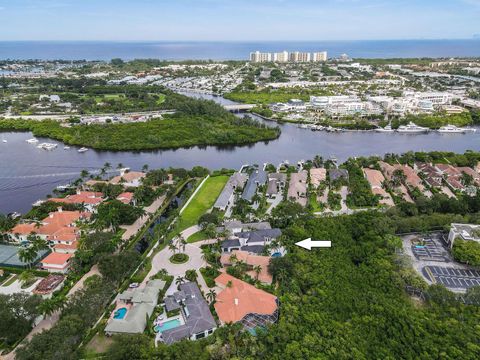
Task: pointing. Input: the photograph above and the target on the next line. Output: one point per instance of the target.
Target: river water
(28, 174)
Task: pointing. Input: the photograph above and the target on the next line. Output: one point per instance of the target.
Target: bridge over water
(239, 107)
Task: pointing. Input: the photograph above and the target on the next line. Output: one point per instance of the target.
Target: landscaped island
(195, 122)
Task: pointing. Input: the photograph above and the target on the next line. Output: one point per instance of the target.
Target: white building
(324, 101)
(259, 57)
(467, 232)
(281, 57)
(319, 56)
(437, 98)
(298, 56)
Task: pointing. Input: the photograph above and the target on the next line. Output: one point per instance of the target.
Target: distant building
(319, 56)
(281, 57)
(299, 57)
(259, 57)
(466, 232)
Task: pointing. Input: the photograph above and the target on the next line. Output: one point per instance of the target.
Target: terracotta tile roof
(233, 303)
(128, 177)
(72, 247)
(252, 260)
(24, 229)
(56, 259)
(317, 176)
(82, 197)
(374, 177)
(125, 197)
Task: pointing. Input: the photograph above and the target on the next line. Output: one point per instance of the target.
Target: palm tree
(162, 273)
(211, 296)
(145, 168)
(258, 270)
(229, 284)
(233, 258)
(26, 277)
(180, 280)
(119, 165)
(172, 247)
(182, 242)
(27, 255)
(191, 275)
(49, 306)
(84, 173)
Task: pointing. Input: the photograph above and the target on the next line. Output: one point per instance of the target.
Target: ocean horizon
(232, 50)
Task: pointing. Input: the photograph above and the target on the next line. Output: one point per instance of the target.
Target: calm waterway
(28, 174)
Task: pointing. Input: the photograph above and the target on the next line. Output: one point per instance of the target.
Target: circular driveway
(162, 261)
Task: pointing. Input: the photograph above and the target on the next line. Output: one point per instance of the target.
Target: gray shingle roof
(258, 177)
(237, 180)
(259, 235)
(337, 174)
(230, 243)
(197, 314)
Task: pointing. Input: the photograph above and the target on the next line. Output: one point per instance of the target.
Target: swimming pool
(277, 254)
(120, 313)
(167, 325)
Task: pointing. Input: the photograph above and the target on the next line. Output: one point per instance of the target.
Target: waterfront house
(128, 178)
(133, 309)
(317, 176)
(297, 189)
(337, 174)
(241, 302)
(196, 318)
(88, 199)
(59, 229)
(276, 184)
(376, 179)
(257, 178)
(226, 197)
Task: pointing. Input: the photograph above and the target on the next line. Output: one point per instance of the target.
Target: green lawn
(203, 201)
(199, 236)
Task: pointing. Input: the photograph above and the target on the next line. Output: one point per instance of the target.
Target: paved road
(48, 322)
(131, 230)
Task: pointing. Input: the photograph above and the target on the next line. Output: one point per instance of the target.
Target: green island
(195, 122)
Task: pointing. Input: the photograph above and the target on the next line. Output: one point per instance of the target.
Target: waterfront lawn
(202, 201)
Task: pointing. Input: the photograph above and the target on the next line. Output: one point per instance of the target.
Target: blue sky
(238, 19)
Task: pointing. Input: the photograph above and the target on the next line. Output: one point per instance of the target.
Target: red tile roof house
(129, 179)
(376, 179)
(432, 175)
(241, 302)
(57, 262)
(59, 228)
(402, 190)
(451, 175)
(89, 199)
(126, 198)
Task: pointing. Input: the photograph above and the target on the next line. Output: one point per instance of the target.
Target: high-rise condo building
(281, 57)
(259, 57)
(297, 56)
(319, 56)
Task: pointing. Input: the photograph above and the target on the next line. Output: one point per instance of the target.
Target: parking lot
(430, 248)
(453, 278)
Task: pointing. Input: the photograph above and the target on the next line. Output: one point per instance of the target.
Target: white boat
(4, 140)
(47, 146)
(66, 147)
(451, 129)
(32, 141)
(411, 128)
(82, 150)
(387, 128)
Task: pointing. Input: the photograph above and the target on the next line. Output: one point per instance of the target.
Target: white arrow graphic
(309, 244)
